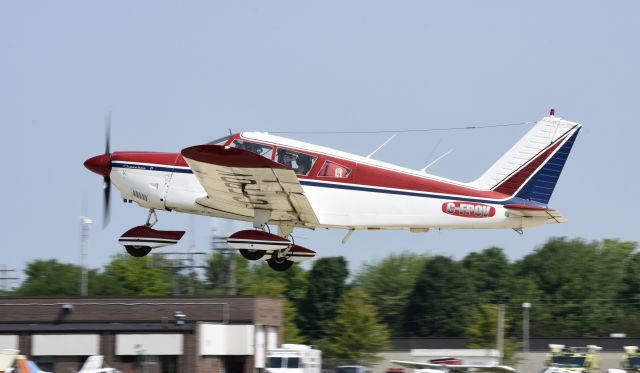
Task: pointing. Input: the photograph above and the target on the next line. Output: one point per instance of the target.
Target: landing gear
(138, 241)
(152, 213)
(279, 252)
(279, 263)
(252, 254)
(138, 251)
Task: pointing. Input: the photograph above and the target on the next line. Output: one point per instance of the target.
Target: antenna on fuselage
(381, 146)
(423, 169)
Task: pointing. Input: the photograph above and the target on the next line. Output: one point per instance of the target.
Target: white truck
(294, 358)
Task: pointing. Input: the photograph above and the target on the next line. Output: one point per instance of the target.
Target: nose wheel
(140, 240)
(138, 251)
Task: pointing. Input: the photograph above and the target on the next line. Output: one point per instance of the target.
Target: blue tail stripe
(540, 187)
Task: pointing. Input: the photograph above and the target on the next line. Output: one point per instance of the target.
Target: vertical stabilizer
(531, 168)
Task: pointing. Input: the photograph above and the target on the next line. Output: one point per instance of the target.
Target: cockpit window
(568, 361)
(260, 149)
(275, 362)
(220, 141)
(333, 169)
(300, 163)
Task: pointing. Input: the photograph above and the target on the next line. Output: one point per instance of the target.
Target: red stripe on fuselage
(363, 174)
(375, 176)
(165, 159)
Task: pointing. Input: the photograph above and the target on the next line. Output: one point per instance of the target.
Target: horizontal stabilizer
(527, 211)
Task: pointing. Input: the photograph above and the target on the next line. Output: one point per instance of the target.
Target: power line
(440, 129)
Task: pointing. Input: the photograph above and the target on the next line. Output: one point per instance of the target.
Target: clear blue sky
(177, 74)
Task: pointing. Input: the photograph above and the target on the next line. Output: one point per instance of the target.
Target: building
(150, 334)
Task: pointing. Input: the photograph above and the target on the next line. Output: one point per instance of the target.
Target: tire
(138, 251)
(252, 254)
(279, 264)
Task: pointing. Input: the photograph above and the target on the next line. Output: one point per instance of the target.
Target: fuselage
(345, 190)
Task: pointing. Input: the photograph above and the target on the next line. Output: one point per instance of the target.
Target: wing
(240, 182)
(527, 211)
(456, 368)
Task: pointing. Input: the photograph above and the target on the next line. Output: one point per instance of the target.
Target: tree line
(576, 289)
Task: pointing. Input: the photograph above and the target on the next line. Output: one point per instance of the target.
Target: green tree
(482, 333)
(388, 283)
(580, 282)
(523, 289)
(490, 273)
(49, 277)
(441, 302)
(355, 335)
(326, 284)
(126, 275)
(289, 285)
(218, 262)
(275, 288)
(630, 293)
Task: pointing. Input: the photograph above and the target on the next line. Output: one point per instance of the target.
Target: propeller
(106, 186)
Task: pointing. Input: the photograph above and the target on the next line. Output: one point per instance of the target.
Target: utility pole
(500, 341)
(6, 275)
(177, 261)
(227, 269)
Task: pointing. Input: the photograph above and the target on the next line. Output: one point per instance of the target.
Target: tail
(531, 168)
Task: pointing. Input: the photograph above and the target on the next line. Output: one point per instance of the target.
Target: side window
(300, 163)
(333, 169)
(263, 150)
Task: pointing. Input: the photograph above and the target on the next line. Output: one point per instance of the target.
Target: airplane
(24, 365)
(270, 180)
(453, 367)
(7, 358)
(95, 364)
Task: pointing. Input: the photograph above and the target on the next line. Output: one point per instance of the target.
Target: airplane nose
(99, 164)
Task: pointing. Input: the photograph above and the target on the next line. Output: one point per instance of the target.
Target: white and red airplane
(271, 180)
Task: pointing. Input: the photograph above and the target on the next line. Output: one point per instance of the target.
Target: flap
(239, 182)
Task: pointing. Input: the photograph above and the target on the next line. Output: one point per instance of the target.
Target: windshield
(260, 149)
(347, 370)
(275, 362)
(220, 141)
(634, 362)
(293, 362)
(568, 361)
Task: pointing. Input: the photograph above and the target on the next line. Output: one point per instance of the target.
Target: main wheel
(252, 254)
(138, 251)
(279, 264)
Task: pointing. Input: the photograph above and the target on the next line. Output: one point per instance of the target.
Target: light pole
(525, 330)
(84, 235)
(525, 326)
(500, 336)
